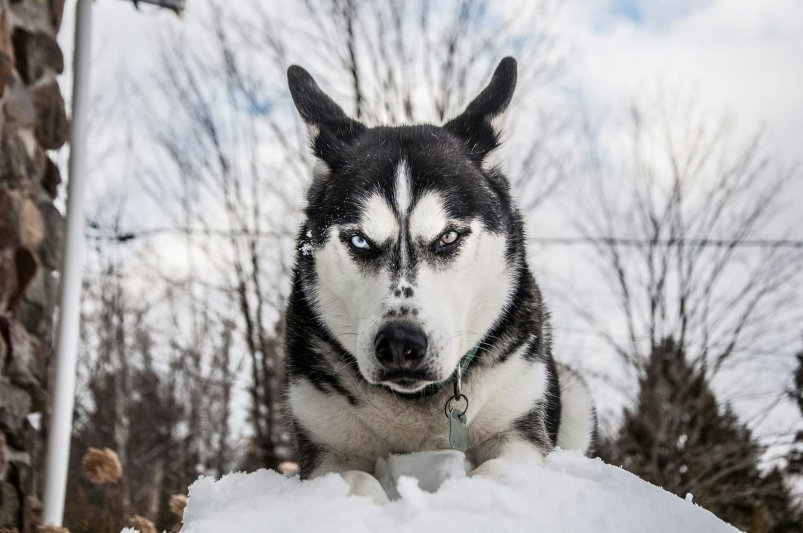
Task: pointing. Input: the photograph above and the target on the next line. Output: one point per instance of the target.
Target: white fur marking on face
(428, 217)
(403, 198)
(378, 221)
(402, 188)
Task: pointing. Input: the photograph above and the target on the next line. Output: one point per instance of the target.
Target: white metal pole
(59, 430)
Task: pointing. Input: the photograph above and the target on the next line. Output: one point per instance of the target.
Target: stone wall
(32, 121)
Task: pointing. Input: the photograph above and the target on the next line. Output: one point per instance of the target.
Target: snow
(569, 493)
(429, 469)
(306, 248)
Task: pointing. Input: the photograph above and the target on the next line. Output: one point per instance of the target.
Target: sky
(740, 56)
(737, 57)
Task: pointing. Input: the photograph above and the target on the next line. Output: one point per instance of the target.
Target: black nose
(400, 346)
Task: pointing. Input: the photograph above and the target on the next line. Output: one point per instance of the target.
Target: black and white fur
(410, 235)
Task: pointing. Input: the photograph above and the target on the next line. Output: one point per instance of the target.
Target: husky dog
(411, 264)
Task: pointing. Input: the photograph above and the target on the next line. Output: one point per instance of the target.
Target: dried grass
(177, 504)
(102, 466)
(142, 524)
(47, 528)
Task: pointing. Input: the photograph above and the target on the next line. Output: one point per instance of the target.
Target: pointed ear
(329, 127)
(480, 125)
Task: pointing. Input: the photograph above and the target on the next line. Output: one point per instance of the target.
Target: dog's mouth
(407, 381)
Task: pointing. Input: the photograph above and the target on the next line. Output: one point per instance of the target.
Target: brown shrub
(142, 524)
(177, 504)
(102, 466)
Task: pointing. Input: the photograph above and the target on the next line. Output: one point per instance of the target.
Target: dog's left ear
(479, 124)
(329, 127)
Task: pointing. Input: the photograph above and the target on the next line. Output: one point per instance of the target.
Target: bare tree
(232, 162)
(393, 61)
(681, 226)
(158, 394)
(684, 218)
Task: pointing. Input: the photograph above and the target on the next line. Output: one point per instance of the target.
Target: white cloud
(740, 56)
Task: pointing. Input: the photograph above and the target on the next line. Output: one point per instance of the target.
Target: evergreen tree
(795, 465)
(678, 437)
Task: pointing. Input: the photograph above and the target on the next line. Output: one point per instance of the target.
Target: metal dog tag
(458, 432)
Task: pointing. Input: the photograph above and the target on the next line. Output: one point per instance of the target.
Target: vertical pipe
(59, 430)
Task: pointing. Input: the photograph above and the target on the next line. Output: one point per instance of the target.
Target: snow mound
(570, 493)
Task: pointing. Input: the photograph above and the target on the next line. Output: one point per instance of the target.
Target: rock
(56, 14)
(20, 471)
(14, 405)
(5, 30)
(35, 15)
(34, 312)
(9, 505)
(51, 179)
(27, 365)
(51, 118)
(6, 50)
(50, 248)
(13, 159)
(21, 159)
(25, 267)
(19, 108)
(23, 438)
(8, 279)
(6, 69)
(3, 452)
(36, 54)
(9, 218)
(3, 357)
(31, 224)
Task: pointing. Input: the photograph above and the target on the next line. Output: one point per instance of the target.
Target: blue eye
(358, 241)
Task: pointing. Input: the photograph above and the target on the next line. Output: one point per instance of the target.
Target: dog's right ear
(328, 126)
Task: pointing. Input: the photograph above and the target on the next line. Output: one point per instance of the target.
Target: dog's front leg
(495, 457)
(356, 474)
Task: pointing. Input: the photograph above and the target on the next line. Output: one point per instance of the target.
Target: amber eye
(450, 237)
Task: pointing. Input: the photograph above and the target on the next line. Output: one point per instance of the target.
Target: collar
(464, 362)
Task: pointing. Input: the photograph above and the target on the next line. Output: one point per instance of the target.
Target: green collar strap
(437, 387)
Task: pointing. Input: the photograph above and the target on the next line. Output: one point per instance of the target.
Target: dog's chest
(400, 428)
(380, 424)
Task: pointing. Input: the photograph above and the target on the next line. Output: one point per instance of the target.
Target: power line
(643, 243)
(130, 235)
(125, 236)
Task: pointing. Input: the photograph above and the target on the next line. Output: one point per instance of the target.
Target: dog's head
(410, 240)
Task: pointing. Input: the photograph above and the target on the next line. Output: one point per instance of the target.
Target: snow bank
(571, 493)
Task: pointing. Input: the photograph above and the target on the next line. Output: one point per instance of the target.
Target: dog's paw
(495, 469)
(499, 469)
(364, 484)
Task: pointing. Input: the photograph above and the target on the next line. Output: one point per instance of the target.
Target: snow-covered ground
(571, 493)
